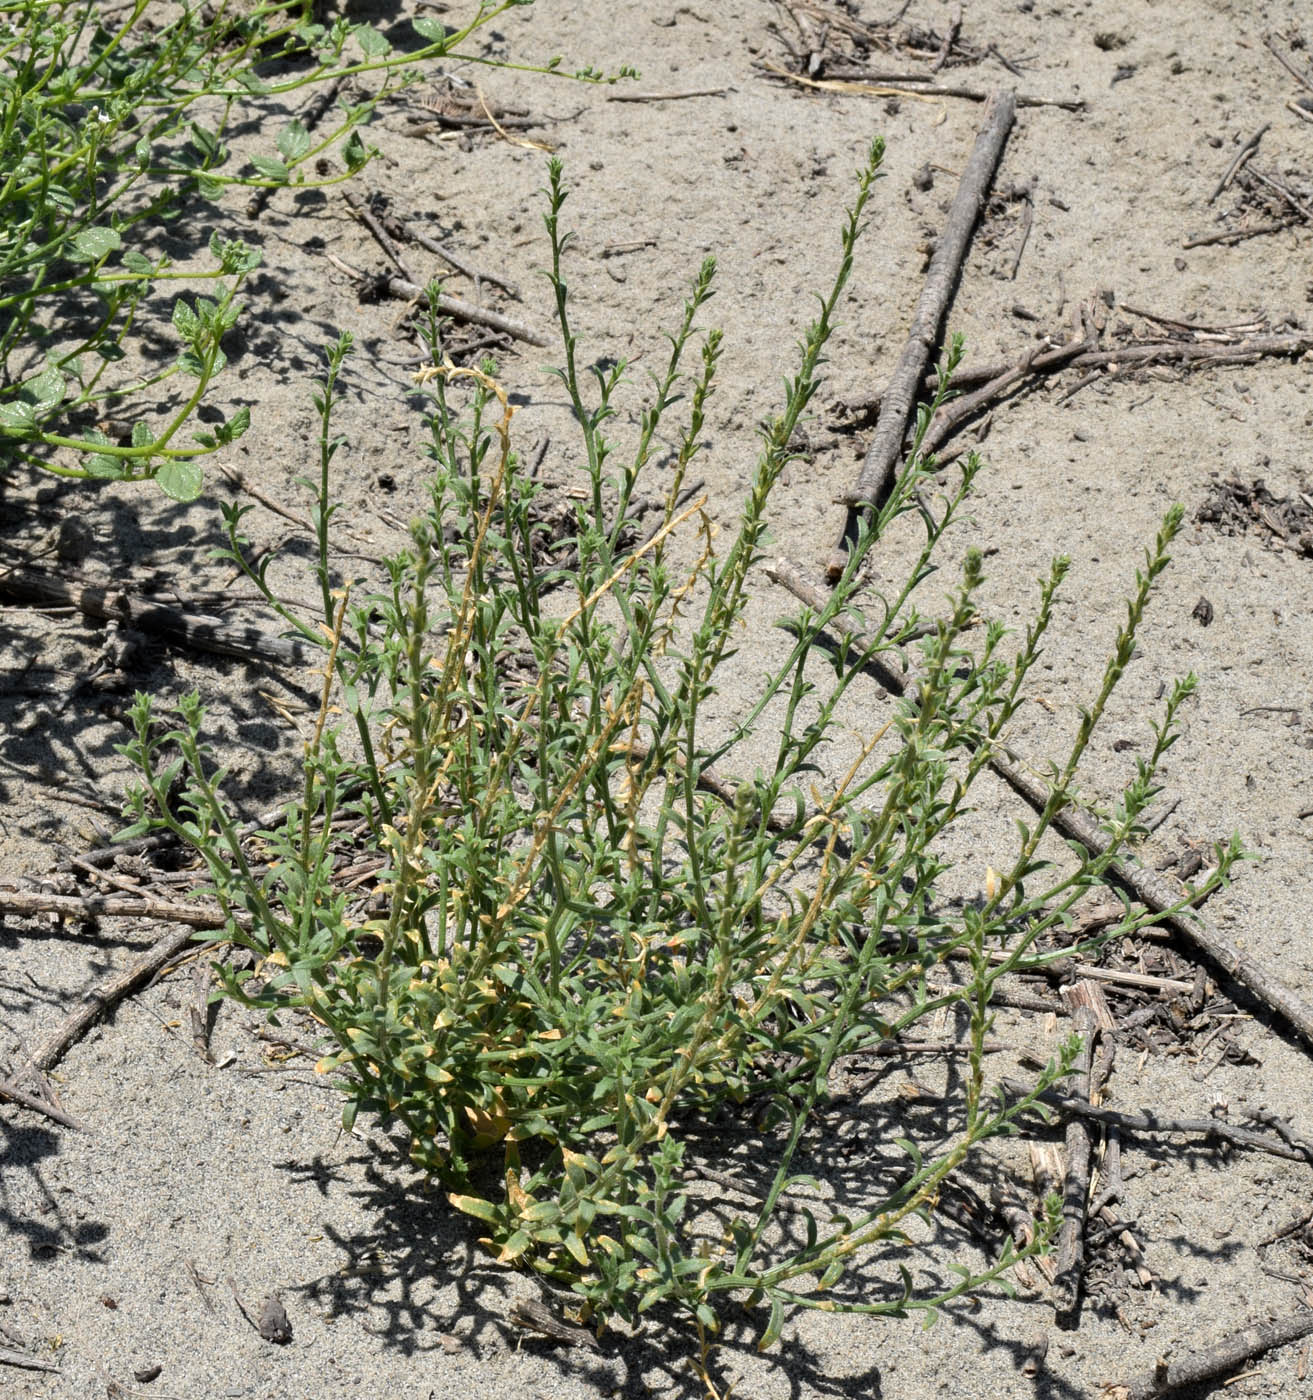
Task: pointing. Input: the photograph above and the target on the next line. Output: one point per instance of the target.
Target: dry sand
(241, 1170)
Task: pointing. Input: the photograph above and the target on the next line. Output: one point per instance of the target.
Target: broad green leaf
(271, 169)
(137, 262)
(372, 43)
(293, 142)
(180, 479)
(141, 434)
(19, 417)
(103, 466)
(92, 244)
(235, 426)
(354, 151)
(185, 320)
(431, 29)
(46, 390)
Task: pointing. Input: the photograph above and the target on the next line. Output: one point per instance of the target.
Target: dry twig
(1202, 1366)
(1215, 1129)
(103, 998)
(876, 477)
(179, 625)
(1152, 889)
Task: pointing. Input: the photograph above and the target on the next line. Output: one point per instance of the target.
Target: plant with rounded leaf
(112, 125)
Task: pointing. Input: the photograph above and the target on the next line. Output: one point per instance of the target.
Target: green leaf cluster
(599, 938)
(112, 123)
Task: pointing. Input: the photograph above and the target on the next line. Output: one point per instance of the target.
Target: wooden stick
(1082, 355)
(666, 96)
(418, 236)
(1041, 360)
(365, 214)
(197, 631)
(87, 906)
(25, 1362)
(38, 1105)
(950, 38)
(1281, 191)
(1076, 1186)
(101, 999)
(1205, 1365)
(1242, 155)
(993, 380)
(470, 120)
(1150, 888)
(460, 310)
(1303, 78)
(876, 477)
(1216, 1129)
(454, 307)
(913, 85)
(1238, 235)
(863, 83)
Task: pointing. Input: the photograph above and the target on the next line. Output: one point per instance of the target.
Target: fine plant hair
(599, 938)
(113, 124)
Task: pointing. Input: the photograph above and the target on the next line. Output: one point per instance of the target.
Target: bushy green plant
(112, 123)
(582, 947)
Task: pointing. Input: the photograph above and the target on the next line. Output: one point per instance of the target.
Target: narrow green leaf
(514, 1247)
(912, 1150)
(475, 1206)
(831, 1276)
(772, 1333)
(206, 142)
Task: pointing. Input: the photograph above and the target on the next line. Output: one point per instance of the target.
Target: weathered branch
(899, 399)
(1150, 888)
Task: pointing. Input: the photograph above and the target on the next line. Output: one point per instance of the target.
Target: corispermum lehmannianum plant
(600, 947)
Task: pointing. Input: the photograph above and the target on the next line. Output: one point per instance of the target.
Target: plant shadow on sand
(419, 1281)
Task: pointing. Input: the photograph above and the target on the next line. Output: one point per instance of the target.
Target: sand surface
(119, 1241)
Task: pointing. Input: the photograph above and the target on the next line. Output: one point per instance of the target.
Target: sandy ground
(189, 1171)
